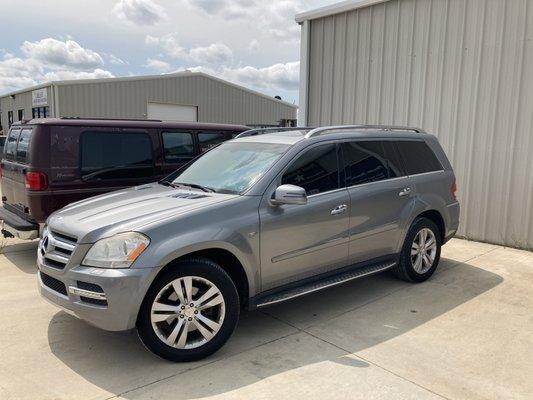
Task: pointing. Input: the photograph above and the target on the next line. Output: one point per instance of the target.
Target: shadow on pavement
(118, 362)
(23, 255)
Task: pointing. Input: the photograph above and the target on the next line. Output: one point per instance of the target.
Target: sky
(255, 43)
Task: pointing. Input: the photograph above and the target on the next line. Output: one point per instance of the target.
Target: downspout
(303, 116)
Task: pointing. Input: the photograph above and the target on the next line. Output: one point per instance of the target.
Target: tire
(184, 335)
(407, 267)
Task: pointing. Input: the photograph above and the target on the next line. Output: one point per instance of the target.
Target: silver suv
(263, 218)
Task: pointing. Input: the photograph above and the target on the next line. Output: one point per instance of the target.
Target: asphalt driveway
(466, 333)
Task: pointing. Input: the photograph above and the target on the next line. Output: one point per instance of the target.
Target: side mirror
(289, 194)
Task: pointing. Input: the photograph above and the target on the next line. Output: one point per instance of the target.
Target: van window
(116, 155)
(417, 157)
(11, 145)
(209, 139)
(316, 171)
(23, 145)
(178, 147)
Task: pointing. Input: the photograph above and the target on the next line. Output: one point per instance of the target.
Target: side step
(323, 283)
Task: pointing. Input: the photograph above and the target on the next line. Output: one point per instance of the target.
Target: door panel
(374, 180)
(376, 211)
(298, 241)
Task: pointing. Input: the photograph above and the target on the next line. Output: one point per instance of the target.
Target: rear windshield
(17, 145)
(116, 155)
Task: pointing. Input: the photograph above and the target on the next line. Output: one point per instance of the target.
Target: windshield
(232, 167)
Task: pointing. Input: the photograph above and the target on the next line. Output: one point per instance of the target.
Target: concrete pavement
(465, 334)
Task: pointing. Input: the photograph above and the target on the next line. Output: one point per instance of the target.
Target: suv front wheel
(189, 312)
(420, 253)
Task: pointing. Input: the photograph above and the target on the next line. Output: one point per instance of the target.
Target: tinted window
(209, 139)
(394, 161)
(364, 162)
(316, 170)
(178, 146)
(24, 143)
(11, 145)
(418, 157)
(114, 155)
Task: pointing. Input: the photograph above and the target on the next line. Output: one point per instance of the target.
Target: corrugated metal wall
(216, 101)
(461, 69)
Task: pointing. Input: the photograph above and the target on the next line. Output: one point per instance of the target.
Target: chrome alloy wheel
(423, 250)
(188, 312)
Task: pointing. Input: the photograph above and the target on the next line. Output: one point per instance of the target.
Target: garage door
(172, 112)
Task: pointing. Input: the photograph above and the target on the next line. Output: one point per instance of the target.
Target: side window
(417, 157)
(317, 170)
(209, 139)
(116, 155)
(178, 147)
(11, 145)
(23, 145)
(364, 162)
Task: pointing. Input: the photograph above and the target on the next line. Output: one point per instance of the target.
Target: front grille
(56, 249)
(53, 283)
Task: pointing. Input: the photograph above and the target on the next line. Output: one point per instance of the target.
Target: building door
(172, 112)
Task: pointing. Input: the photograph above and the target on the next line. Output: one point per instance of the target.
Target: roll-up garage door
(172, 112)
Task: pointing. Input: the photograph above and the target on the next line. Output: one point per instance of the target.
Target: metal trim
(87, 293)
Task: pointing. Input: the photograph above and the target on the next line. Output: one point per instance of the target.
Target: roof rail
(115, 119)
(262, 131)
(326, 129)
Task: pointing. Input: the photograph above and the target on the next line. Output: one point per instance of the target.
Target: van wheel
(189, 312)
(420, 253)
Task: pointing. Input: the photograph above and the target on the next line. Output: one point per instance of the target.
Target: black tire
(197, 267)
(405, 269)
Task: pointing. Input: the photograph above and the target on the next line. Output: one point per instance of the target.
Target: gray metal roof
(336, 8)
(146, 77)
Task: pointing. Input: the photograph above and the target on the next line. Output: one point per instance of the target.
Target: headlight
(118, 251)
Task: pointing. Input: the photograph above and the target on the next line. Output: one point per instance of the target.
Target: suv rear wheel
(420, 253)
(189, 312)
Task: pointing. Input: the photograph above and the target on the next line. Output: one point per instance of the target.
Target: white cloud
(72, 75)
(116, 60)
(139, 12)
(47, 60)
(69, 53)
(253, 46)
(275, 77)
(275, 17)
(158, 65)
(214, 54)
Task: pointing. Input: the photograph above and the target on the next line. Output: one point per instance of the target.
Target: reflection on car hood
(129, 209)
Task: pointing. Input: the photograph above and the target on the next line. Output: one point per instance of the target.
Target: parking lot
(466, 333)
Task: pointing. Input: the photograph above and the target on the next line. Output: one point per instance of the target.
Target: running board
(323, 284)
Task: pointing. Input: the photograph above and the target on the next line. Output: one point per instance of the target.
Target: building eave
(336, 8)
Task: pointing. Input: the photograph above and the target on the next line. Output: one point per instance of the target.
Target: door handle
(339, 209)
(405, 192)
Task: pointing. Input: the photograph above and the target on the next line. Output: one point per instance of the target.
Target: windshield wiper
(194, 186)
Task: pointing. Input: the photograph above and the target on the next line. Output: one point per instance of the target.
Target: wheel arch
(226, 259)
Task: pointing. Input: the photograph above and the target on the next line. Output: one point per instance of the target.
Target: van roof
(130, 123)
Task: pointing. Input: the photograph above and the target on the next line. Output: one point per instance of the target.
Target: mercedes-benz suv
(257, 220)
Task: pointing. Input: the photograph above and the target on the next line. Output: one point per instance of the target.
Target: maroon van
(49, 163)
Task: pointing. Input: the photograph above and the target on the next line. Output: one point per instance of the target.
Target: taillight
(1, 168)
(36, 180)
(453, 189)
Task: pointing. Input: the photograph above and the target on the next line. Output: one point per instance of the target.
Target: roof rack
(326, 129)
(262, 131)
(113, 119)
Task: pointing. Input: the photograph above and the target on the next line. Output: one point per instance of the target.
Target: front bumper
(117, 301)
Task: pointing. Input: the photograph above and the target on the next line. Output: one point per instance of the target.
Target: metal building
(460, 69)
(182, 96)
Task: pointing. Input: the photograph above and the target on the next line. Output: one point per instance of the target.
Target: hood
(129, 210)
